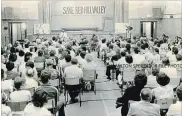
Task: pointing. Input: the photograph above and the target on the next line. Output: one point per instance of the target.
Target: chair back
(164, 103)
(54, 82)
(17, 106)
(89, 75)
(128, 74)
(72, 81)
(32, 90)
(50, 104)
(39, 65)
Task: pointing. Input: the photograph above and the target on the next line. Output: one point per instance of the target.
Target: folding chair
(39, 67)
(90, 76)
(17, 108)
(164, 105)
(32, 90)
(128, 75)
(51, 105)
(55, 83)
(72, 81)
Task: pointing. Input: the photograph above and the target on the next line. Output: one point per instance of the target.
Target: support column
(121, 11)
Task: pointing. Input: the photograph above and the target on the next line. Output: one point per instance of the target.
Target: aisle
(101, 104)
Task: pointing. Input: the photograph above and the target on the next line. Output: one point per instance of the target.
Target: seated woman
(5, 110)
(30, 81)
(19, 94)
(36, 107)
(90, 65)
(132, 93)
(164, 91)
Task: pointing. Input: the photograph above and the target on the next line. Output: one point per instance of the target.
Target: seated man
(73, 72)
(144, 107)
(52, 92)
(49, 68)
(20, 95)
(176, 109)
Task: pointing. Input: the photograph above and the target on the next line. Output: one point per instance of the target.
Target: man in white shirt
(176, 109)
(144, 107)
(74, 73)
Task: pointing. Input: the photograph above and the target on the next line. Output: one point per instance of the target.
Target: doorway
(18, 31)
(148, 29)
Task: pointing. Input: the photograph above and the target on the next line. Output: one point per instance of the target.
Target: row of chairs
(128, 75)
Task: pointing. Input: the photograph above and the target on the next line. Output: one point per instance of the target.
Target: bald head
(146, 94)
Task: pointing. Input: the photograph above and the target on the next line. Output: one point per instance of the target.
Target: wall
(34, 16)
(73, 20)
(142, 11)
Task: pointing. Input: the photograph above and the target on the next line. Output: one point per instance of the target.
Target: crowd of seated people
(35, 64)
(158, 60)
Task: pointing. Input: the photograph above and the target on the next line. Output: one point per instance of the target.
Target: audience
(6, 84)
(45, 59)
(36, 107)
(39, 62)
(49, 68)
(152, 79)
(30, 81)
(10, 73)
(52, 92)
(5, 110)
(132, 93)
(144, 107)
(76, 73)
(163, 91)
(176, 109)
(25, 94)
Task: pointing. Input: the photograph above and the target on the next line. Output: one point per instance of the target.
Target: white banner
(81, 8)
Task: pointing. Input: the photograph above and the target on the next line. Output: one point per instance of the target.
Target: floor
(101, 104)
